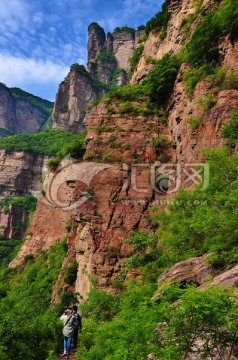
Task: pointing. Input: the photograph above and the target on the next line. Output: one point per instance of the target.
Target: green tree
(202, 323)
(161, 78)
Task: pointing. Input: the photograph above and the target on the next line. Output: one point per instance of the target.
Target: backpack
(77, 322)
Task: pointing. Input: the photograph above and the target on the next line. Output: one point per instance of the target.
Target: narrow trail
(71, 357)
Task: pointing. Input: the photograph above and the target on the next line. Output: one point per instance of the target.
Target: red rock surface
(119, 195)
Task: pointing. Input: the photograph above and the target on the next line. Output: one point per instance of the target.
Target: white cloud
(14, 12)
(16, 71)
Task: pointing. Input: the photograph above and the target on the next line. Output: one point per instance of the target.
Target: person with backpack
(68, 330)
(77, 325)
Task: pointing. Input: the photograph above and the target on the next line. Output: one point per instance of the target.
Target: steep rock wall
(75, 94)
(155, 47)
(18, 115)
(7, 110)
(96, 39)
(182, 109)
(106, 203)
(20, 173)
(13, 224)
(117, 177)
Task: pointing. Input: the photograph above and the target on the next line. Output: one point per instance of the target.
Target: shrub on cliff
(201, 323)
(127, 93)
(159, 21)
(106, 55)
(135, 58)
(47, 142)
(80, 69)
(160, 80)
(203, 46)
(75, 148)
(230, 130)
(124, 29)
(27, 203)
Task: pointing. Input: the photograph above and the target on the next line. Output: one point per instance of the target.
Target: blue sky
(40, 39)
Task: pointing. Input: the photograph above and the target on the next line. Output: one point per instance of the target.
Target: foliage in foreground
(167, 327)
(29, 326)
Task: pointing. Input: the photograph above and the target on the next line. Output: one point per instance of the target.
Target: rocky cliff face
(109, 194)
(108, 64)
(18, 114)
(156, 47)
(20, 174)
(120, 45)
(75, 94)
(13, 224)
(7, 111)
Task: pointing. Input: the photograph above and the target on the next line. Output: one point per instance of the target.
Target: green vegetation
(180, 320)
(202, 52)
(80, 69)
(195, 122)
(198, 222)
(124, 29)
(95, 24)
(27, 202)
(47, 142)
(161, 140)
(47, 124)
(142, 39)
(135, 58)
(141, 27)
(208, 101)
(105, 55)
(133, 324)
(8, 249)
(155, 88)
(75, 148)
(203, 47)
(127, 93)
(159, 21)
(230, 130)
(161, 78)
(116, 74)
(26, 316)
(70, 272)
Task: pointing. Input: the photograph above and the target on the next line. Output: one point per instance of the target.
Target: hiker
(77, 325)
(68, 330)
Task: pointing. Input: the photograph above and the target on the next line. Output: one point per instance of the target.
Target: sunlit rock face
(18, 115)
(106, 54)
